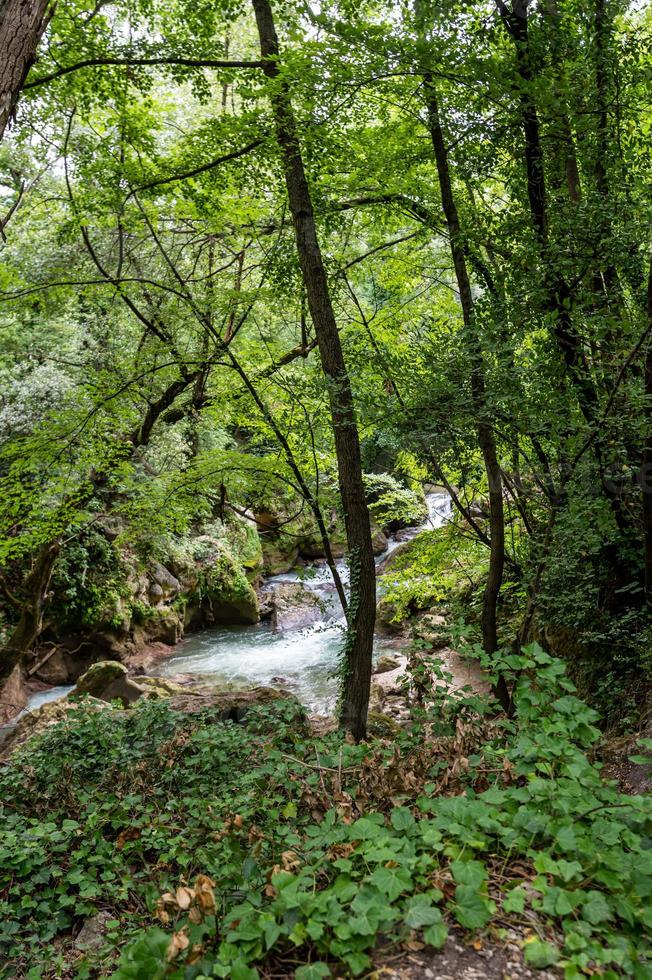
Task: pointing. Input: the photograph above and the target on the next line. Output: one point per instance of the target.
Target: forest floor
(460, 960)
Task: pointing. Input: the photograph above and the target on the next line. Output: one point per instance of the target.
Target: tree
(22, 23)
(362, 605)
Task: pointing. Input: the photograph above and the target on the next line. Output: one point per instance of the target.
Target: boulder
(385, 621)
(382, 726)
(379, 540)
(91, 935)
(165, 580)
(311, 546)
(294, 606)
(385, 663)
(13, 695)
(108, 680)
(34, 722)
(279, 556)
(227, 705)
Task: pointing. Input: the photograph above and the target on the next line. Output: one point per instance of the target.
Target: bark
(29, 625)
(646, 466)
(22, 23)
(362, 604)
(485, 432)
(558, 292)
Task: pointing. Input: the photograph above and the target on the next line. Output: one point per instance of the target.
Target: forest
(325, 489)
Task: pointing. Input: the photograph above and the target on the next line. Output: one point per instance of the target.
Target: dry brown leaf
(184, 897)
(177, 944)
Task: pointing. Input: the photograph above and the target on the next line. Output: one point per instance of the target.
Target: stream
(303, 660)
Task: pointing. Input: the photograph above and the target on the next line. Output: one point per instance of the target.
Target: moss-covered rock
(279, 555)
(381, 725)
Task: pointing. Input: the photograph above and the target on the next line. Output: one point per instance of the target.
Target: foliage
(434, 567)
(250, 843)
(392, 504)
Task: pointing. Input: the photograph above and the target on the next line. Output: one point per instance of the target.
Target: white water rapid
(303, 660)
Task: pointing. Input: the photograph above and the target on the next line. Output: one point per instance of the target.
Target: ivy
(225, 836)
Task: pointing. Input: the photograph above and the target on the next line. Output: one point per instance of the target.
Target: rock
(162, 626)
(312, 547)
(228, 705)
(13, 695)
(382, 726)
(294, 607)
(108, 680)
(34, 722)
(376, 697)
(385, 621)
(91, 934)
(437, 639)
(55, 670)
(166, 581)
(279, 556)
(379, 540)
(160, 687)
(386, 662)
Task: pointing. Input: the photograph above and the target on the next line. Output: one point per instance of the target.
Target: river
(304, 660)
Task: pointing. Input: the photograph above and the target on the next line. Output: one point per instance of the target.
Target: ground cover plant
(218, 849)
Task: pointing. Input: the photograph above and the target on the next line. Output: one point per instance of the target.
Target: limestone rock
(165, 580)
(227, 705)
(379, 540)
(91, 934)
(279, 556)
(108, 680)
(385, 663)
(34, 722)
(294, 607)
(382, 726)
(385, 621)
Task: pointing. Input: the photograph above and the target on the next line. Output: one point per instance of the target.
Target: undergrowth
(224, 850)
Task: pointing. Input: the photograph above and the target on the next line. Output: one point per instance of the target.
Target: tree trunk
(28, 627)
(486, 439)
(22, 23)
(362, 603)
(646, 464)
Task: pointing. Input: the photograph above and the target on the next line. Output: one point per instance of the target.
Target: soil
(463, 961)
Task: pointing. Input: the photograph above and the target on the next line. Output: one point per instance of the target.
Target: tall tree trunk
(22, 23)
(485, 432)
(362, 604)
(646, 464)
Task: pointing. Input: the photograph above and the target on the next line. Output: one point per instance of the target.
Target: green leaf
(514, 900)
(401, 818)
(436, 935)
(471, 910)
(419, 915)
(540, 954)
(312, 971)
(391, 881)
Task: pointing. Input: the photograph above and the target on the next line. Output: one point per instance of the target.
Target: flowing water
(303, 660)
